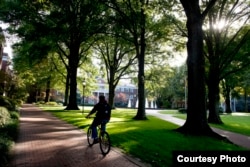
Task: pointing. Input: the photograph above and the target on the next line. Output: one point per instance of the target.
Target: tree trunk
(73, 87)
(112, 86)
(196, 122)
(227, 105)
(245, 100)
(33, 93)
(227, 100)
(213, 96)
(213, 107)
(66, 93)
(47, 91)
(73, 64)
(111, 95)
(141, 113)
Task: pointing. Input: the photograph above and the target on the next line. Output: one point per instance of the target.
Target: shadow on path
(45, 141)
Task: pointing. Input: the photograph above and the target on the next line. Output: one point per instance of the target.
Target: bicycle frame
(104, 139)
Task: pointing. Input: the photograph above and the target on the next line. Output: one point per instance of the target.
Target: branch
(208, 8)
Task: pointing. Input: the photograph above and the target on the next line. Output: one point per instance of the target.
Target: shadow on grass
(122, 121)
(152, 140)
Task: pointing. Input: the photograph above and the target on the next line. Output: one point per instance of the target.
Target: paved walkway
(238, 139)
(45, 141)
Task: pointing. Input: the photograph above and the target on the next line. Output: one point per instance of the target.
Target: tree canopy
(65, 35)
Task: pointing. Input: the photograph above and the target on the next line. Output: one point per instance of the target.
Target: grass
(235, 122)
(152, 140)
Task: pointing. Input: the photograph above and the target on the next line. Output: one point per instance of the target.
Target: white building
(125, 93)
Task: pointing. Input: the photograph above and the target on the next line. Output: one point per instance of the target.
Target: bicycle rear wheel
(89, 137)
(105, 143)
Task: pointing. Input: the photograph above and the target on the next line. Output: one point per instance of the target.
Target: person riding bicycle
(103, 113)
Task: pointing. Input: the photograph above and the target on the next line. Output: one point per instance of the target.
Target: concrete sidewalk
(238, 139)
(45, 141)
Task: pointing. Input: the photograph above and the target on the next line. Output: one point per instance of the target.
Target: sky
(178, 60)
(7, 48)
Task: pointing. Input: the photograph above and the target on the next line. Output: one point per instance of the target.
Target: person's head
(102, 98)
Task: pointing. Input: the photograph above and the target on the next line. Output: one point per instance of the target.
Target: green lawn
(152, 140)
(235, 122)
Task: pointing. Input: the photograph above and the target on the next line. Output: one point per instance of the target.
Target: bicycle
(104, 139)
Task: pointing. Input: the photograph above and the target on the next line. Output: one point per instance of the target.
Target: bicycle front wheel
(105, 143)
(89, 137)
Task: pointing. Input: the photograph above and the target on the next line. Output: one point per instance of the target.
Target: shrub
(182, 110)
(4, 116)
(9, 121)
(221, 110)
(8, 103)
(14, 115)
(5, 145)
(51, 103)
(40, 102)
(5, 102)
(11, 129)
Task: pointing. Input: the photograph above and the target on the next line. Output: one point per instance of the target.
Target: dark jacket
(103, 111)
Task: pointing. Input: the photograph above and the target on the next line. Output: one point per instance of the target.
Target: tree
(196, 122)
(87, 74)
(80, 22)
(121, 98)
(40, 75)
(117, 55)
(68, 25)
(139, 19)
(131, 15)
(238, 87)
(2, 39)
(246, 86)
(224, 41)
(60, 62)
(227, 86)
(158, 85)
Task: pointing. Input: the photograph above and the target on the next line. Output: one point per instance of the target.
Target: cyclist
(103, 113)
